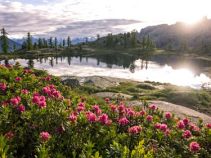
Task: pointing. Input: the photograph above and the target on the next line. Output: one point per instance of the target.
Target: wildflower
(152, 107)
(103, 118)
(142, 112)
(168, 115)
(113, 107)
(194, 147)
(72, 117)
(42, 104)
(209, 125)
(44, 136)
(91, 117)
(186, 121)
(123, 121)
(24, 91)
(15, 100)
(17, 79)
(167, 132)
(80, 108)
(180, 124)
(107, 100)
(121, 108)
(193, 127)
(3, 86)
(130, 112)
(149, 118)
(186, 134)
(96, 109)
(135, 129)
(9, 135)
(21, 108)
(163, 127)
(157, 125)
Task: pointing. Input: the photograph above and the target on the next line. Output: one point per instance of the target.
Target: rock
(73, 83)
(178, 110)
(113, 95)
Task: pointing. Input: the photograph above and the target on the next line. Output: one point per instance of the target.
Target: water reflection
(140, 68)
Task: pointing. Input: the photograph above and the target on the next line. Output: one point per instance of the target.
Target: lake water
(164, 69)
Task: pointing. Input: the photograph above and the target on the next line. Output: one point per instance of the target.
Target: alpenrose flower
(96, 109)
(149, 118)
(72, 117)
(194, 147)
(153, 107)
(45, 136)
(181, 124)
(103, 119)
(39, 100)
(3, 86)
(123, 121)
(17, 79)
(186, 134)
(91, 117)
(135, 129)
(24, 91)
(163, 127)
(186, 121)
(9, 135)
(209, 125)
(21, 108)
(168, 115)
(15, 101)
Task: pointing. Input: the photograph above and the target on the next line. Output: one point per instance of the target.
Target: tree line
(28, 44)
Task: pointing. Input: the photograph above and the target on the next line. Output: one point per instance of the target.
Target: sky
(85, 18)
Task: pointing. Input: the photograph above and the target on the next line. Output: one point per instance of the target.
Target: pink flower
(17, 79)
(107, 100)
(72, 117)
(167, 132)
(103, 118)
(81, 104)
(9, 135)
(80, 108)
(163, 127)
(142, 112)
(168, 115)
(193, 127)
(186, 134)
(21, 108)
(149, 118)
(153, 107)
(134, 129)
(96, 109)
(123, 121)
(91, 117)
(194, 147)
(181, 124)
(121, 108)
(40, 101)
(113, 107)
(42, 104)
(157, 125)
(24, 91)
(186, 121)
(130, 112)
(15, 100)
(3, 86)
(44, 136)
(209, 125)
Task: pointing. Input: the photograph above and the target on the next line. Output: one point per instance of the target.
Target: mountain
(12, 44)
(181, 36)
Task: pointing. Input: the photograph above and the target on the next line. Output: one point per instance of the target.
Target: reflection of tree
(6, 62)
(87, 59)
(80, 58)
(69, 60)
(31, 63)
(41, 60)
(98, 61)
(132, 67)
(51, 62)
(56, 60)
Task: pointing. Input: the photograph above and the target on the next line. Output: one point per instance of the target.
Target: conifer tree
(4, 39)
(55, 42)
(63, 43)
(29, 41)
(68, 42)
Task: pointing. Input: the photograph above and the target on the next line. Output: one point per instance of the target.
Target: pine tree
(51, 42)
(4, 39)
(63, 43)
(40, 43)
(29, 41)
(55, 42)
(68, 42)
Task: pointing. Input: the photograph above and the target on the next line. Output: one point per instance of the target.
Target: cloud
(92, 27)
(19, 18)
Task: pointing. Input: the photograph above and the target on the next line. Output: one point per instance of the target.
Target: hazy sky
(79, 18)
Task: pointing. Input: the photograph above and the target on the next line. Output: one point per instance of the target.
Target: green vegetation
(53, 120)
(4, 39)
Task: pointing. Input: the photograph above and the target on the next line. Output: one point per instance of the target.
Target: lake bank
(198, 100)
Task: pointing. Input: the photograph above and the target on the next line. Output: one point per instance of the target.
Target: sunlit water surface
(139, 70)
